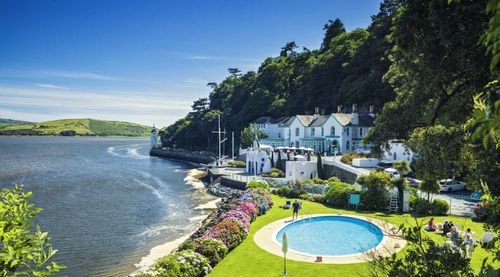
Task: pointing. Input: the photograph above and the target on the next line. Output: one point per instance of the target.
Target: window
(332, 131)
(360, 132)
(322, 131)
(347, 130)
(279, 135)
(297, 132)
(313, 131)
(348, 145)
(394, 156)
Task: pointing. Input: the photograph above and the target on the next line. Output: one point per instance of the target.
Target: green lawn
(250, 260)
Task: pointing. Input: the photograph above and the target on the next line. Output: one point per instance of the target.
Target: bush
(213, 250)
(375, 197)
(347, 157)
(439, 207)
(315, 181)
(238, 216)
(237, 164)
(250, 208)
(423, 207)
(318, 198)
(185, 263)
(274, 173)
(188, 245)
(228, 232)
(481, 210)
(258, 198)
(257, 184)
(264, 193)
(337, 194)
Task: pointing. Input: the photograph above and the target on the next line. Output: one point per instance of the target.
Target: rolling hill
(78, 127)
(5, 122)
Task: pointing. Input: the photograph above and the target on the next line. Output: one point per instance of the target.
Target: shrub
(214, 250)
(188, 245)
(248, 207)
(237, 164)
(375, 197)
(264, 193)
(228, 232)
(481, 210)
(423, 207)
(239, 216)
(185, 263)
(439, 207)
(257, 184)
(318, 198)
(336, 195)
(274, 173)
(347, 157)
(259, 199)
(315, 181)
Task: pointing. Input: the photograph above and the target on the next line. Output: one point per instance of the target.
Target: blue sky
(144, 61)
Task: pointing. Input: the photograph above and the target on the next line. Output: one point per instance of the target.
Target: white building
(397, 151)
(336, 132)
(257, 160)
(154, 137)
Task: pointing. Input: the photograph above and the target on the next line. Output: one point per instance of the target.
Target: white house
(336, 132)
(397, 151)
(257, 160)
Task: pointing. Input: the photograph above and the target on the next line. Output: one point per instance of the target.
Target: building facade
(331, 133)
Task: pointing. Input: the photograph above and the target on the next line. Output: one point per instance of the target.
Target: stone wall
(183, 155)
(342, 174)
(227, 182)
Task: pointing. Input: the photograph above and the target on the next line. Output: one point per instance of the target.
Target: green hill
(79, 127)
(5, 122)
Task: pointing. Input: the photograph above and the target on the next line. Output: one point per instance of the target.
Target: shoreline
(193, 178)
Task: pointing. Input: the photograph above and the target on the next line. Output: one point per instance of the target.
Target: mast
(232, 144)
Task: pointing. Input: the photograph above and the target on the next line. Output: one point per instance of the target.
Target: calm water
(331, 235)
(106, 202)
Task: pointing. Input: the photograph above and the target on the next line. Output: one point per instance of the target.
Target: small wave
(111, 150)
(155, 191)
(132, 152)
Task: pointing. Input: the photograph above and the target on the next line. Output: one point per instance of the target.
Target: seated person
(446, 228)
(468, 232)
(454, 234)
(430, 226)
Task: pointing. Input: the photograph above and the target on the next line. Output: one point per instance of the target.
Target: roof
(271, 120)
(305, 119)
(320, 120)
(363, 119)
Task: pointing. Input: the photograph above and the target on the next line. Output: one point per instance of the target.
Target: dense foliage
(375, 197)
(186, 263)
(348, 68)
(422, 206)
(22, 250)
(274, 173)
(337, 194)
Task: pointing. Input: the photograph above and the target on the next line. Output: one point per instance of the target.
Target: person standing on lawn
(295, 208)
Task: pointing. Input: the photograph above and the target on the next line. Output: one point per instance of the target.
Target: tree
(248, 135)
(429, 186)
(288, 49)
(319, 165)
(23, 252)
(400, 183)
(332, 29)
(375, 197)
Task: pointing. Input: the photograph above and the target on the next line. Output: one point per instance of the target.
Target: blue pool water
(331, 236)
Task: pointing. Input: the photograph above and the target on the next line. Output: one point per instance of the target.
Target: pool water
(331, 236)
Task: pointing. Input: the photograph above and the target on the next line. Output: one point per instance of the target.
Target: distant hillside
(79, 127)
(5, 122)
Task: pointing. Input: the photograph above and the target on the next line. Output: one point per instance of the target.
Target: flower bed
(196, 256)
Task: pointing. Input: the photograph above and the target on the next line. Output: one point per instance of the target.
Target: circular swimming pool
(330, 236)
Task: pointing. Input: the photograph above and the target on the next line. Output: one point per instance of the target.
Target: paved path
(356, 170)
(460, 204)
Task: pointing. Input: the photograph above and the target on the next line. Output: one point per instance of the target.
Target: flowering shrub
(481, 210)
(240, 217)
(261, 201)
(213, 249)
(228, 232)
(185, 263)
(248, 207)
(264, 193)
(188, 245)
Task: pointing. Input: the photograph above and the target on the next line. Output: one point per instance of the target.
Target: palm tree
(403, 168)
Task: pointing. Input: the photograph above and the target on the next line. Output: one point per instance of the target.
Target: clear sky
(145, 61)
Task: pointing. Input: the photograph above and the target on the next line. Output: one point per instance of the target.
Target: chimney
(316, 113)
(339, 108)
(372, 111)
(354, 115)
(322, 111)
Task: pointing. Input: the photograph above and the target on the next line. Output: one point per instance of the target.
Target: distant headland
(73, 127)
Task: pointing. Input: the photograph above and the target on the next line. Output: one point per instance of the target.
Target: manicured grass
(248, 259)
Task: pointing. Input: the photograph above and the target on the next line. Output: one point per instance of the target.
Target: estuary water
(106, 202)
